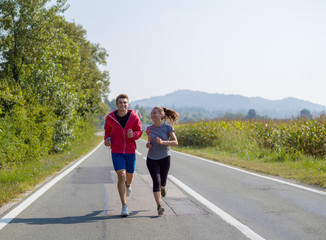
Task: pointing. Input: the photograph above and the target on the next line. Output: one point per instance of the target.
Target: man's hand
(107, 143)
(130, 133)
(148, 144)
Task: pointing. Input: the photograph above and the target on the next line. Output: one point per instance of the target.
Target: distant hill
(218, 104)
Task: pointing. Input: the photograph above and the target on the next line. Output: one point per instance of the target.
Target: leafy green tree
(305, 113)
(111, 104)
(48, 67)
(30, 41)
(229, 115)
(31, 48)
(91, 84)
(251, 114)
(145, 117)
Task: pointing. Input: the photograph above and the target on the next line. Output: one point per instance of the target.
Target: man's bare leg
(130, 178)
(121, 174)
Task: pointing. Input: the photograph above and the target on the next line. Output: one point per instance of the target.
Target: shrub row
(29, 134)
(288, 136)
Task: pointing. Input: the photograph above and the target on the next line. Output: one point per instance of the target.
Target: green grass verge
(19, 179)
(298, 167)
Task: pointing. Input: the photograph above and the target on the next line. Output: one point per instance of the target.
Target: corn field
(302, 136)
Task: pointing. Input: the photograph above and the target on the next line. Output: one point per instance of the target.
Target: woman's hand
(158, 140)
(172, 142)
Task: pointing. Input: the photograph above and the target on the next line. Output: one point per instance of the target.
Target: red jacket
(120, 143)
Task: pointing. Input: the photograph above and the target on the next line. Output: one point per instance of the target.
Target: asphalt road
(204, 201)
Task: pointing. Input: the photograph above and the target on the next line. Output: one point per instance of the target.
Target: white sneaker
(128, 191)
(124, 211)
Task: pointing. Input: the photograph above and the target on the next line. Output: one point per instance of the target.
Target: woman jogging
(160, 136)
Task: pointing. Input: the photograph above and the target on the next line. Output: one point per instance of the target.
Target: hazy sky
(268, 48)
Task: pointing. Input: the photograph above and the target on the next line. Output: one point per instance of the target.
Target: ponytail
(172, 115)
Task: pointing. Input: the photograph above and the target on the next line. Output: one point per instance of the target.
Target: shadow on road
(88, 218)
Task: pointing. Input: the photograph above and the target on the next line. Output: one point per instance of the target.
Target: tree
(251, 114)
(30, 40)
(145, 117)
(111, 104)
(47, 63)
(305, 113)
(236, 116)
(91, 83)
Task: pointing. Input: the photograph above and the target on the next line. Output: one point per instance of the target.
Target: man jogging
(122, 129)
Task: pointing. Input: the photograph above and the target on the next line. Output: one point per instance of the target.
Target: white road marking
(225, 216)
(28, 201)
(140, 154)
(257, 175)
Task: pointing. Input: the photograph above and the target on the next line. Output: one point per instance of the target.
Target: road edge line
(222, 214)
(38, 193)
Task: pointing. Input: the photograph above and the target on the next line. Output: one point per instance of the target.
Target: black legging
(159, 170)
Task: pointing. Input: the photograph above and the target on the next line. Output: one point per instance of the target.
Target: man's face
(122, 104)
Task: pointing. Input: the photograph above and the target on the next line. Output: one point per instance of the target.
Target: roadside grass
(16, 180)
(240, 152)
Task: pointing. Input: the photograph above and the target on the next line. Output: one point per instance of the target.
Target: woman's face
(156, 115)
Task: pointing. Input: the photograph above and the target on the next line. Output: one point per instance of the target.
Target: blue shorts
(124, 161)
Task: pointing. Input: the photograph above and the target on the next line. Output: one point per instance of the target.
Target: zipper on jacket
(123, 131)
(124, 148)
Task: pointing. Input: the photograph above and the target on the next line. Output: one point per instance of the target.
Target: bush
(197, 134)
(25, 135)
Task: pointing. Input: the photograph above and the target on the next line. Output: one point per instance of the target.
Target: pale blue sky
(268, 48)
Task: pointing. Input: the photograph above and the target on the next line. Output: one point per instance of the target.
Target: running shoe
(160, 210)
(124, 211)
(163, 192)
(128, 191)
